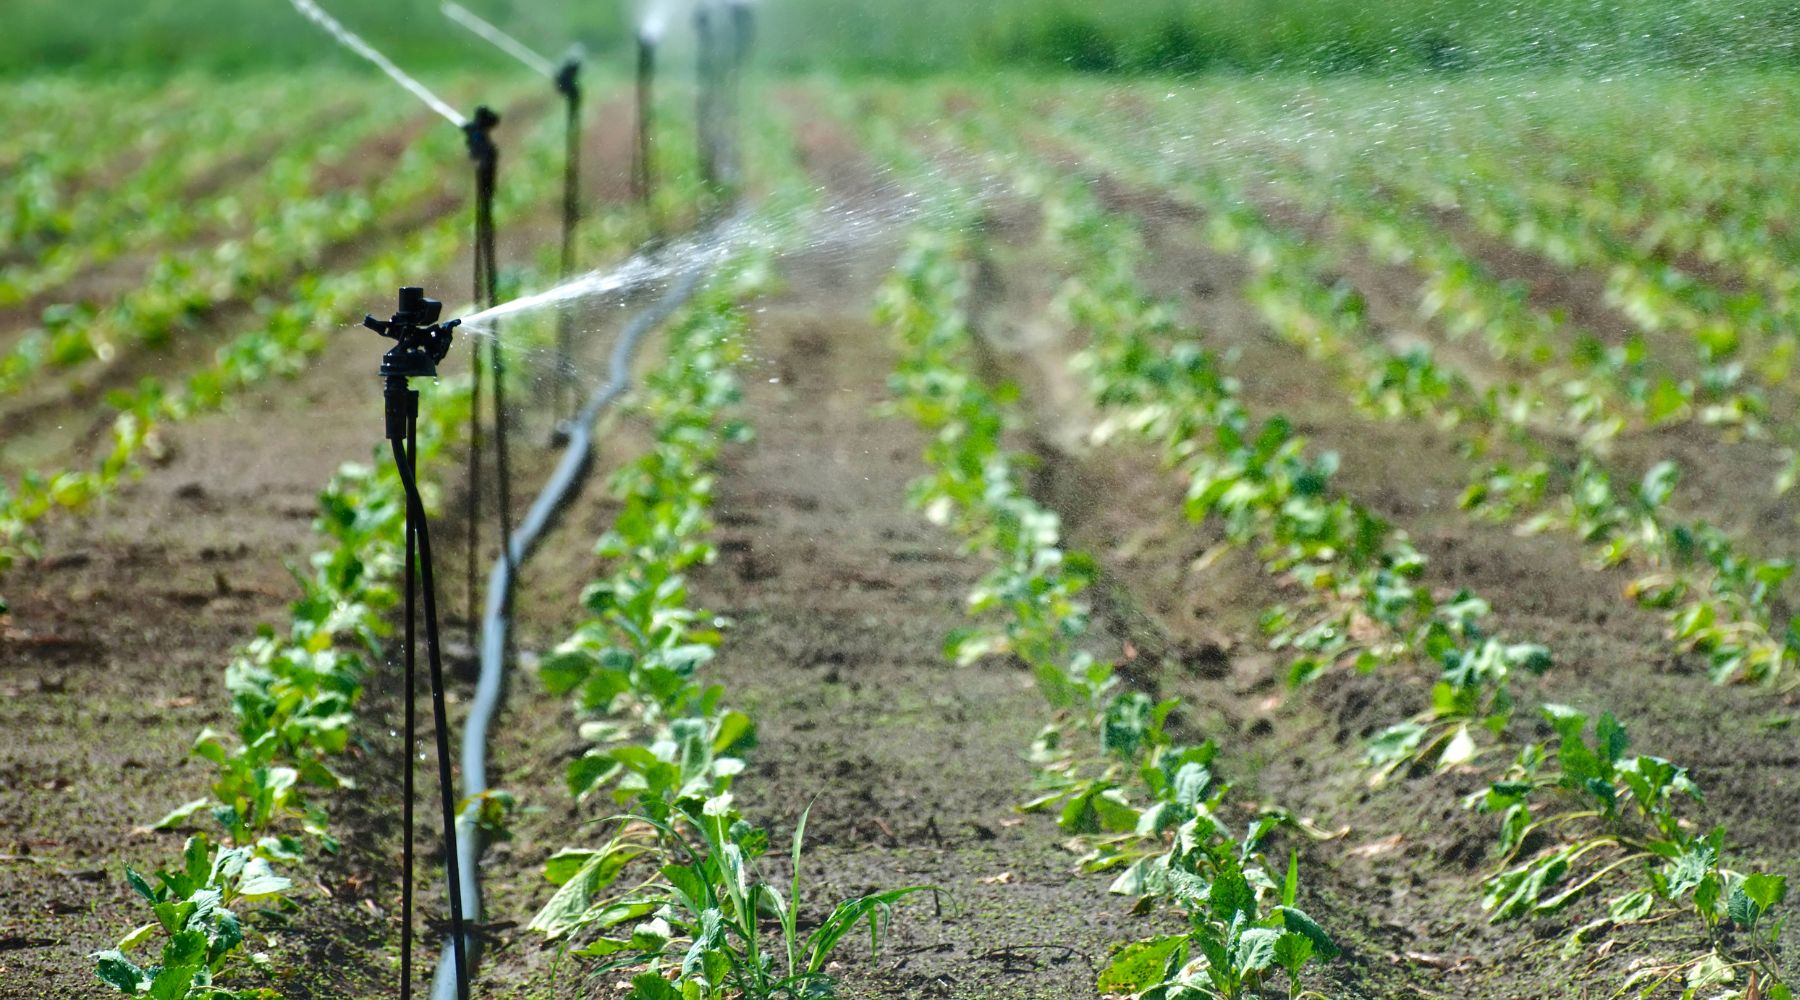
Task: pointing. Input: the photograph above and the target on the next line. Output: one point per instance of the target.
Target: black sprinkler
(420, 344)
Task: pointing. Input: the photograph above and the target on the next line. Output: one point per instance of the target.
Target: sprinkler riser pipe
(646, 112)
(706, 69)
(421, 342)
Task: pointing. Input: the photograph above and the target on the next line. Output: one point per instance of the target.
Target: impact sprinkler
(420, 344)
(485, 154)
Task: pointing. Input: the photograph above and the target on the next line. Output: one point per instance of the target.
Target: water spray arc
(567, 79)
(420, 344)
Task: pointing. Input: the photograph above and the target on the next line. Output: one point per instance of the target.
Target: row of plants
(291, 233)
(675, 893)
(1718, 599)
(1149, 808)
(1579, 815)
(159, 211)
(294, 697)
(285, 339)
(68, 139)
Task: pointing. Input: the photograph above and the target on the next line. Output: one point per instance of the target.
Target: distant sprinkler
(742, 29)
(644, 167)
(567, 79)
(485, 154)
(707, 72)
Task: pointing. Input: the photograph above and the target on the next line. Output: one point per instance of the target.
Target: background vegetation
(913, 36)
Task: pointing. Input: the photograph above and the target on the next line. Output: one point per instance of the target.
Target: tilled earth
(839, 597)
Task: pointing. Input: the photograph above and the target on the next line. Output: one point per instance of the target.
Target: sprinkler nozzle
(478, 130)
(568, 76)
(421, 341)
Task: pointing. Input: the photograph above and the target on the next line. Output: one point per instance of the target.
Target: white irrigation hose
(562, 488)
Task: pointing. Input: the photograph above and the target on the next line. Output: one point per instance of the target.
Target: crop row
(1146, 807)
(288, 337)
(190, 188)
(1717, 598)
(180, 285)
(1150, 807)
(294, 697)
(675, 890)
(1602, 813)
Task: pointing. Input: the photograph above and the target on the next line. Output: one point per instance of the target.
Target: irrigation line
(496, 631)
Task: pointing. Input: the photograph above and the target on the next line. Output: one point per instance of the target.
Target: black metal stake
(421, 342)
(568, 83)
(644, 172)
(706, 69)
(743, 27)
(486, 157)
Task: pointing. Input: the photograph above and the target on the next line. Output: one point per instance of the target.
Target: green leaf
(183, 958)
(650, 986)
(140, 884)
(1766, 891)
(137, 937)
(1254, 951)
(1293, 951)
(1231, 894)
(1299, 923)
(562, 672)
(566, 863)
(259, 879)
(1139, 965)
(119, 972)
(181, 814)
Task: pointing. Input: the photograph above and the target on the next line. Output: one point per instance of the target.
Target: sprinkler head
(478, 130)
(421, 341)
(568, 76)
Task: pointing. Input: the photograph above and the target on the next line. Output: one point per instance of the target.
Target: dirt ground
(839, 598)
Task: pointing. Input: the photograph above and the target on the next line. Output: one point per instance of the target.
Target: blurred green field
(1139, 37)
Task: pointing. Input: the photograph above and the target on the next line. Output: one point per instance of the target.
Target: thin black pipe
(421, 537)
(645, 166)
(407, 458)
